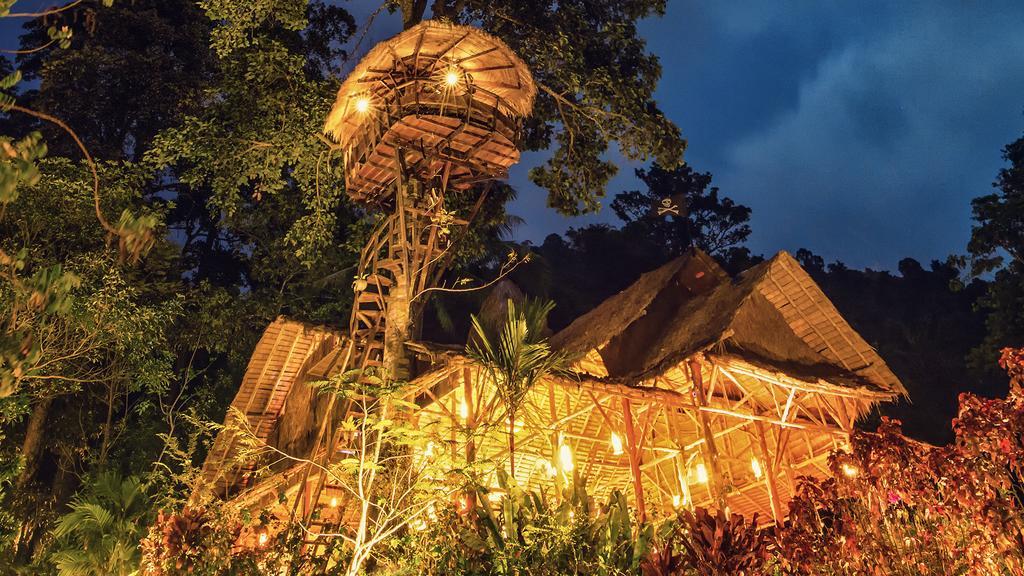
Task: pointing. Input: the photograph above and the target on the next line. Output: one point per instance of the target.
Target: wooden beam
(769, 474)
(711, 450)
(634, 460)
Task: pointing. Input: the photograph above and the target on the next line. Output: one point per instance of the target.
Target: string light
(702, 473)
(755, 465)
(429, 452)
(362, 104)
(616, 444)
(463, 410)
(850, 470)
(263, 538)
(451, 77)
(677, 501)
(334, 502)
(419, 525)
(565, 457)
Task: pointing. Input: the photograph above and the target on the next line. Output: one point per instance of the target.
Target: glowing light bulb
(565, 457)
(263, 538)
(463, 410)
(616, 444)
(702, 473)
(429, 452)
(550, 469)
(451, 78)
(850, 470)
(677, 501)
(362, 104)
(334, 502)
(755, 465)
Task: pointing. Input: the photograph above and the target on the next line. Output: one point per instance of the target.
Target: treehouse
(689, 388)
(450, 97)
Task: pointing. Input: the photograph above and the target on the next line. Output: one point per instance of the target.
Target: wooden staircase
(403, 253)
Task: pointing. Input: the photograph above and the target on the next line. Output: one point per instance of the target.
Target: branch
(85, 152)
(506, 269)
(30, 50)
(44, 13)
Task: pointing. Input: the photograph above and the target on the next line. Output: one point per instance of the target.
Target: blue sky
(860, 129)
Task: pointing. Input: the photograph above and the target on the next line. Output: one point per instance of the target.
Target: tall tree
(997, 248)
(589, 264)
(924, 323)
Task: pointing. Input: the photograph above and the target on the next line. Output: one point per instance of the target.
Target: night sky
(858, 129)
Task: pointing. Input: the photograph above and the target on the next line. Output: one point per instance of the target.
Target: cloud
(891, 135)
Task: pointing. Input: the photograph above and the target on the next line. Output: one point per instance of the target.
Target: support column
(711, 453)
(769, 474)
(634, 459)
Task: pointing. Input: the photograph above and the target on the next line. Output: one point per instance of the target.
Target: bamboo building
(688, 388)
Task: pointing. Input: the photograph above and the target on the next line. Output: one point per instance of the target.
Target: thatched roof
(772, 315)
(495, 71)
(283, 356)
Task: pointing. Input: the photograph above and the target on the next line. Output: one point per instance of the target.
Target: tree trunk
(512, 444)
(108, 425)
(32, 445)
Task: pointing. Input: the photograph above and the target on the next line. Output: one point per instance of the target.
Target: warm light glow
(263, 538)
(616, 444)
(495, 497)
(451, 78)
(565, 457)
(850, 470)
(463, 410)
(755, 465)
(518, 427)
(677, 501)
(362, 104)
(702, 473)
(549, 468)
(334, 502)
(419, 525)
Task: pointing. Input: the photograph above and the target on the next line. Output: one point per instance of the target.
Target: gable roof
(772, 314)
(283, 356)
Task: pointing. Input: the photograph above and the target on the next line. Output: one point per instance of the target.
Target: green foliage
(531, 533)
(515, 355)
(18, 165)
(997, 247)
(597, 84)
(101, 533)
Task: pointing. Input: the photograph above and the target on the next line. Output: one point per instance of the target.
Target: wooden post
(467, 390)
(711, 451)
(634, 459)
(769, 474)
(679, 460)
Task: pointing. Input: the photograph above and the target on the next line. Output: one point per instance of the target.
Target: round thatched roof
(428, 47)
